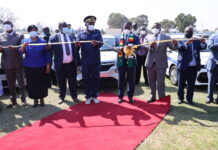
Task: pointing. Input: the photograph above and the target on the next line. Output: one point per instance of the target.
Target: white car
(172, 61)
(108, 60)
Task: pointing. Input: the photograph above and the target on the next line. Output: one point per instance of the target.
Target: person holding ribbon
(11, 62)
(37, 64)
(212, 68)
(188, 64)
(90, 61)
(126, 61)
(156, 61)
(66, 61)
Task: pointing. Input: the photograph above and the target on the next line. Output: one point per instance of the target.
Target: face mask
(65, 30)
(43, 34)
(33, 34)
(189, 35)
(7, 27)
(91, 27)
(143, 32)
(155, 31)
(126, 31)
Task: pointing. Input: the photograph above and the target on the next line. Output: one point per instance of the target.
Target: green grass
(184, 128)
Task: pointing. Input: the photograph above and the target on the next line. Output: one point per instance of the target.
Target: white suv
(108, 60)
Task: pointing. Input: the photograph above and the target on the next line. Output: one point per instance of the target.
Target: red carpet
(104, 126)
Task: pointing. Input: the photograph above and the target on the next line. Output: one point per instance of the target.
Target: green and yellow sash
(121, 54)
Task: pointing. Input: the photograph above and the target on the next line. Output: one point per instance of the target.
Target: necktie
(155, 37)
(142, 39)
(66, 45)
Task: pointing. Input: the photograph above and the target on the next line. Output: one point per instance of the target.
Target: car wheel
(173, 75)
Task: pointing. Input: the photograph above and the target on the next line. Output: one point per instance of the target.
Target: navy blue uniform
(125, 72)
(90, 61)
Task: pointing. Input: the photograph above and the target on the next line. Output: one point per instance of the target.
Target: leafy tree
(116, 20)
(167, 24)
(141, 20)
(182, 21)
(6, 14)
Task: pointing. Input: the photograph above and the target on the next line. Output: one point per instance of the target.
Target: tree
(182, 21)
(167, 24)
(40, 26)
(116, 20)
(6, 14)
(141, 20)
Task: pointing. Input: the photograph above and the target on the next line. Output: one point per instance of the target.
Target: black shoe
(131, 100)
(180, 101)
(151, 100)
(208, 100)
(120, 100)
(76, 100)
(24, 103)
(216, 101)
(60, 101)
(36, 102)
(42, 102)
(11, 104)
(190, 102)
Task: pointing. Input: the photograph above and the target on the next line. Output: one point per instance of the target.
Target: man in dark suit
(11, 62)
(188, 64)
(212, 67)
(126, 64)
(66, 60)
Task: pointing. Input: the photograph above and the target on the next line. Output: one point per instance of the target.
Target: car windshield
(109, 41)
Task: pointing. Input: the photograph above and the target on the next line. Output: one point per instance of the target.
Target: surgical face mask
(91, 27)
(65, 30)
(126, 31)
(33, 34)
(188, 34)
(143, 32)
(7, 27)
(155, 31)
(43, 34)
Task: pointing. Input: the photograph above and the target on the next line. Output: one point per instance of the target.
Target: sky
(50, 12)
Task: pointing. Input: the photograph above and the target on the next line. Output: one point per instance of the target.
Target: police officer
(212, 67)
(126, 63)
(90, 58)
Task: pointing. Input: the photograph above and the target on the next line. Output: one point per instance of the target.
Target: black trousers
(188, 76)
(140, 65)
(68, 72)
(126, 76)
(212, 80)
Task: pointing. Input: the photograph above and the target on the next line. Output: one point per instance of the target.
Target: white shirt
(66, 59)
(158, 38)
